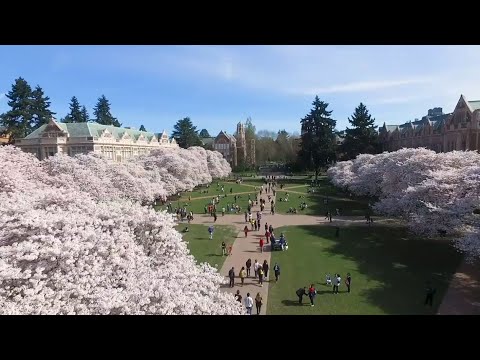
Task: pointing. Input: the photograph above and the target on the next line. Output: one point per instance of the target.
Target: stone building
(234, 148)
(437, 131)
(115, 143)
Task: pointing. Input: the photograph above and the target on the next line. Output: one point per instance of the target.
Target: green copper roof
(92, 129)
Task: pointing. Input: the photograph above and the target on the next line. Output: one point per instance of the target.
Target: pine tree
(18, 120)
(40, 108)
(142, 128)
(102, 113)
(75, 114)
(318, 137)
(186, 134)
(362, 137)
(85, 116)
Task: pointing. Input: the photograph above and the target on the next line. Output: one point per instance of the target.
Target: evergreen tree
(318, 137)
(362, 138)
(142, 128)
(40, 108)
(75, 114)
(85, 116)
(102, 113)
(19, 119)
(186, 134)
(204, 133)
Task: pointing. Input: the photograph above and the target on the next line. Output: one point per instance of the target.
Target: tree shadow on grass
(399, 265)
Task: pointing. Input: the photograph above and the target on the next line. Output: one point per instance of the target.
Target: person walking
(311, 294)
(267, 236)
(210, 231)
(255, 267)
(248, 264)
(265, 269)
(266, 227)
(231, 275)
(238, 297)
(249, 304)
(245, 230)
(224, 248)
(348, 281)
(255, 225)
(258, 303)
(336, 283)
(246, 214)
(276, 269)
(430, 291)
(300, 293)
(260, 275)
(243, 275)
(261, 245)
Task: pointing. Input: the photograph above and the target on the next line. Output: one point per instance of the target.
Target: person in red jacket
(261, 245)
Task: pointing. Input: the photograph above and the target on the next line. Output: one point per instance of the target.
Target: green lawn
(347, 206)
(214, 190)
(389, 270)
(204, 249)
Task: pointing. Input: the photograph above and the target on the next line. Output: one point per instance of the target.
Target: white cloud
(360, 86)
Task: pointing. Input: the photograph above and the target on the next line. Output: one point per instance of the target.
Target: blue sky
(218, 86)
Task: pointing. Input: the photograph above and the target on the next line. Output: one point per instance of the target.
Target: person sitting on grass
(186, 229)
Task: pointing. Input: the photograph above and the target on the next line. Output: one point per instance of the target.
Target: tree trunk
(316, 175)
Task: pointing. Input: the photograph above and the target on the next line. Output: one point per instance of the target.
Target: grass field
(215, 190)
(389, 271)
(204, 249)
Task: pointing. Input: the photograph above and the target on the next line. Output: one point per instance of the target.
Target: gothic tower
(241, 144)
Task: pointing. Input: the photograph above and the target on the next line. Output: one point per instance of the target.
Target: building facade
(234, 148)
(437, 131)
(115, 143)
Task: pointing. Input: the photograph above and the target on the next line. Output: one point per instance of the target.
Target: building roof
(93, 130)
(229, 137)
(475, 105)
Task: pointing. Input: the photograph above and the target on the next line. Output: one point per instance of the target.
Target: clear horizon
(218, 86)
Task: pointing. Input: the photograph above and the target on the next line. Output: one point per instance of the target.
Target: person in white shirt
(338, 281)
(256, 266)
(249, 304)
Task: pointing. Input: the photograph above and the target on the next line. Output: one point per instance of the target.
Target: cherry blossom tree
(436, 193)
(74, 239)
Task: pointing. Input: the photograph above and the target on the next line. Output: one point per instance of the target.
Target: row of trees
(30, 109)
(75, 239)
(436, 193)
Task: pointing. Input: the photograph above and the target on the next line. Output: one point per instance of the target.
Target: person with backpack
(258, 303)
(224, 248)
(300, 293)
(311, 294)
(243, 275)
(231, 275)
(276, 269)
(248, 264)
(260, 275)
